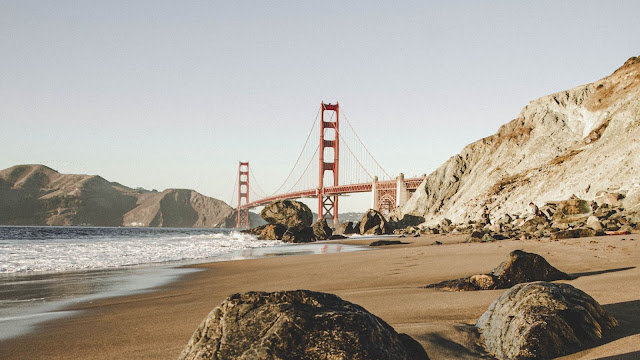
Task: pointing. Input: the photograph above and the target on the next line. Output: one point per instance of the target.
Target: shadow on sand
(598, 272)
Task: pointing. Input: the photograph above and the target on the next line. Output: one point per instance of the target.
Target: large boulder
(519, 267)
(298, 324)
(304, 235)
(572, 210)
(292, 214)
(542, 320)
(347, 228)
(573, 233)
(374, 223)
(321, 230)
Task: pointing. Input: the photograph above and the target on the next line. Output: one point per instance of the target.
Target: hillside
(583, 142)
(38, 195)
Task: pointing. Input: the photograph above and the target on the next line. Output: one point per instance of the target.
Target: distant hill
(38, 195)
(583, 142)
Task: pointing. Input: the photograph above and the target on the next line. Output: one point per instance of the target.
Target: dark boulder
(519, 267)
(542, 320)
(299, 236)
(572, 210)
(373, 223)
(573, 233)
(268, 231)
(292, 214)
(321, 230)
(534, 224)
(298, 324)
(346, 228)
(386, 242)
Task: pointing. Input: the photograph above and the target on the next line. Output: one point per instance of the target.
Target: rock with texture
(373, 223)
(292, 214)
(298, 324)
(573, 233)
(299, 236)
(519, 267)
(559, 145)
(541, 320)
(347, 228)
(321, 230)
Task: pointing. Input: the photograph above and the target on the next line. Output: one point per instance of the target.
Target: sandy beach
(387, 281)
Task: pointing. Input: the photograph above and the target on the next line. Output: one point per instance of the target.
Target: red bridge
(360, 168)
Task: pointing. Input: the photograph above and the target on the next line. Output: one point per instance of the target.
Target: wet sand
(388, 282)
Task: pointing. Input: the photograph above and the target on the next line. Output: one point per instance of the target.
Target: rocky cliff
(581, 142)
(38, 195)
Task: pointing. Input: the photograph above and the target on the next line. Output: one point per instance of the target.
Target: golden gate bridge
(339, 173)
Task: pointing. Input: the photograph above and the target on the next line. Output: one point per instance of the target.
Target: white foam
(23, 256)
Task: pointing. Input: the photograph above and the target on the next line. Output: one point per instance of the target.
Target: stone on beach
(292, 214)
(321, 230)
(541, 320)
(373, 223)
(519, 267)
(298, 324)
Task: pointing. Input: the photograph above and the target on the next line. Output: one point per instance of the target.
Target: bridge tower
(243, 193)
(328, 205)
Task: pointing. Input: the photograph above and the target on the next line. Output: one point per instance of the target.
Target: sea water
(45, 269)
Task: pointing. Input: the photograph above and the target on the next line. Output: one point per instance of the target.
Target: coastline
(387, 281)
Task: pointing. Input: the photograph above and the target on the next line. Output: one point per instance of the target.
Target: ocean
(43, 270)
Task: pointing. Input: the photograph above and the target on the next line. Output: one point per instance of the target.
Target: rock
(541, 320)
(572, 210)
(406, 220)
(346, 228)
(603, 212)
(298, 324)
(321, 230)
(386, 242)
(522, 266)
(487, 238)
(534, 224)
(303, 236)
(292, 214)
(573, 233)
(594, 223)
(610, 198)
(475, 236)
(373, 223)
(272, 232)
(519, 267)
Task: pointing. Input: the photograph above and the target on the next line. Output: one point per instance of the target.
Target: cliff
(581, 142)
(38, 195)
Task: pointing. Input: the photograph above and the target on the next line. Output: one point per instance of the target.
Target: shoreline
(29, 299)
(387, 281)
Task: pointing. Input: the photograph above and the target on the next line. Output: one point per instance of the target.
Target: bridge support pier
(328, 205)
(243, 193)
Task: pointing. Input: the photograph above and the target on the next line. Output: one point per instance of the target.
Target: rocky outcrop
(347, 228)
(321, 230)
(519, 267)
(268, 231)
(374, 223)
(292, 214)
(541, 320)
(38, 195)
(561, 144)
(296, 325)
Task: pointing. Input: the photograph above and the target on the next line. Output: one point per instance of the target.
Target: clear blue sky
(166, 94)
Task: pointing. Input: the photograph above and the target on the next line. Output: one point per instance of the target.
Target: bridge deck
(411, 184)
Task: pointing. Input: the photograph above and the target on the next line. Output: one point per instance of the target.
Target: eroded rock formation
(541, 320)
(298, 324)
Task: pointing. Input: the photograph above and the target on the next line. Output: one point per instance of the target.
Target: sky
(173, 94)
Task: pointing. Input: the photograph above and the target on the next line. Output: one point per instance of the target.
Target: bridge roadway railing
(411, 184)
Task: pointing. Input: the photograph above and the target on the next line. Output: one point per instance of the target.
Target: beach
(387, 281)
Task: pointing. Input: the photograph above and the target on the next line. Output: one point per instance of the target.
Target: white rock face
(580, 142)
